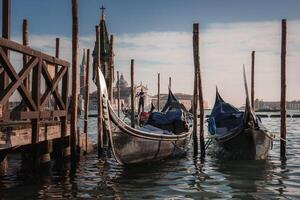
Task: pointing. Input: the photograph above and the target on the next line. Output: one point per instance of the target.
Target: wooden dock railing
(37, 95)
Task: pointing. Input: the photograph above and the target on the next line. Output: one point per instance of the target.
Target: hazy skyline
(158, 35)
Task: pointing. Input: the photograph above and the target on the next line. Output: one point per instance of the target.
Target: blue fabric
(212, 128)
(167, 118)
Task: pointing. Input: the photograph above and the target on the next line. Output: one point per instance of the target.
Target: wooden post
(158, 91)
(170, 83)
(132, 93)
(86, 99)
(25, 43)
(195, 95)
(118, 91)
(252, 78)
(6, 32)
(100, 117)
(283, 92)
(75, 36)
(111, 65)
(197, 66)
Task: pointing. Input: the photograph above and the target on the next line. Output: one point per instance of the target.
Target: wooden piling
(100, 114)
(6, 33)
(132, 93)
(118, 91)
(158, 91)
(195, 94)
(86, 99)
(170, 83)
(197, 66)
(74, 106)
(111, 65)
(25, 43)
(195, 114)
(283, 92)
(252, 78)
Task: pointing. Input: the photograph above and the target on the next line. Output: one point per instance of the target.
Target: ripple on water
(179, 178)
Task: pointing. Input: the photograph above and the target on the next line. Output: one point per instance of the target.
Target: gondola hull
(130, 149)
(248, 144)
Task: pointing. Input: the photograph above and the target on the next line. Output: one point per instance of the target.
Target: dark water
(179, 178)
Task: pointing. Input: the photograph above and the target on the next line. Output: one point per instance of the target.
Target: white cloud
(224, 48)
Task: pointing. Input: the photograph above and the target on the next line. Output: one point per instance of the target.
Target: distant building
(185, 99)
(275, 105)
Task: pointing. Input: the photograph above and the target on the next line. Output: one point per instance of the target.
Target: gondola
(139, 145)
(238, 135)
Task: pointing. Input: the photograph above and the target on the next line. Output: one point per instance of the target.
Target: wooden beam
(132, 93)
(283, 92)
(252, 78)
(74, 114)
(11, 45)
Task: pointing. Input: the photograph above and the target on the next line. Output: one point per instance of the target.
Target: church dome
(123, 82)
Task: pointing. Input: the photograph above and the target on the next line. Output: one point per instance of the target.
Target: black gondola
(237, 134)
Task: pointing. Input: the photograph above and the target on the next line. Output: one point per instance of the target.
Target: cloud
(224, 48)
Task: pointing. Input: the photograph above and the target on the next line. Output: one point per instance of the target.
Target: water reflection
(186, 177)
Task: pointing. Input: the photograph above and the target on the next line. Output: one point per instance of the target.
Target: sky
(158, 35)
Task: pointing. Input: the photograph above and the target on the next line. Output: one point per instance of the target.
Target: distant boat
(144, 144)
(238, 135)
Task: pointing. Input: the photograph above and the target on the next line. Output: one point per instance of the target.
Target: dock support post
(252, 78)
(86, 99)
(6, 32)
(74, 114)
(118, 91)
(132, 93)
(170, 83)
(158, 91)
(283, 92)
(100, 117)
(3, 164)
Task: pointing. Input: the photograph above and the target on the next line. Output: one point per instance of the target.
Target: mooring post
(86, 99)
(74, 106)
(195, 94)
(118, 91)
(100, 114)
(111, 65)
(158, 91)
(283, 92)
(252, 78)
(170, 83)
(132, 93)
(201, 105)
(25, 43)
